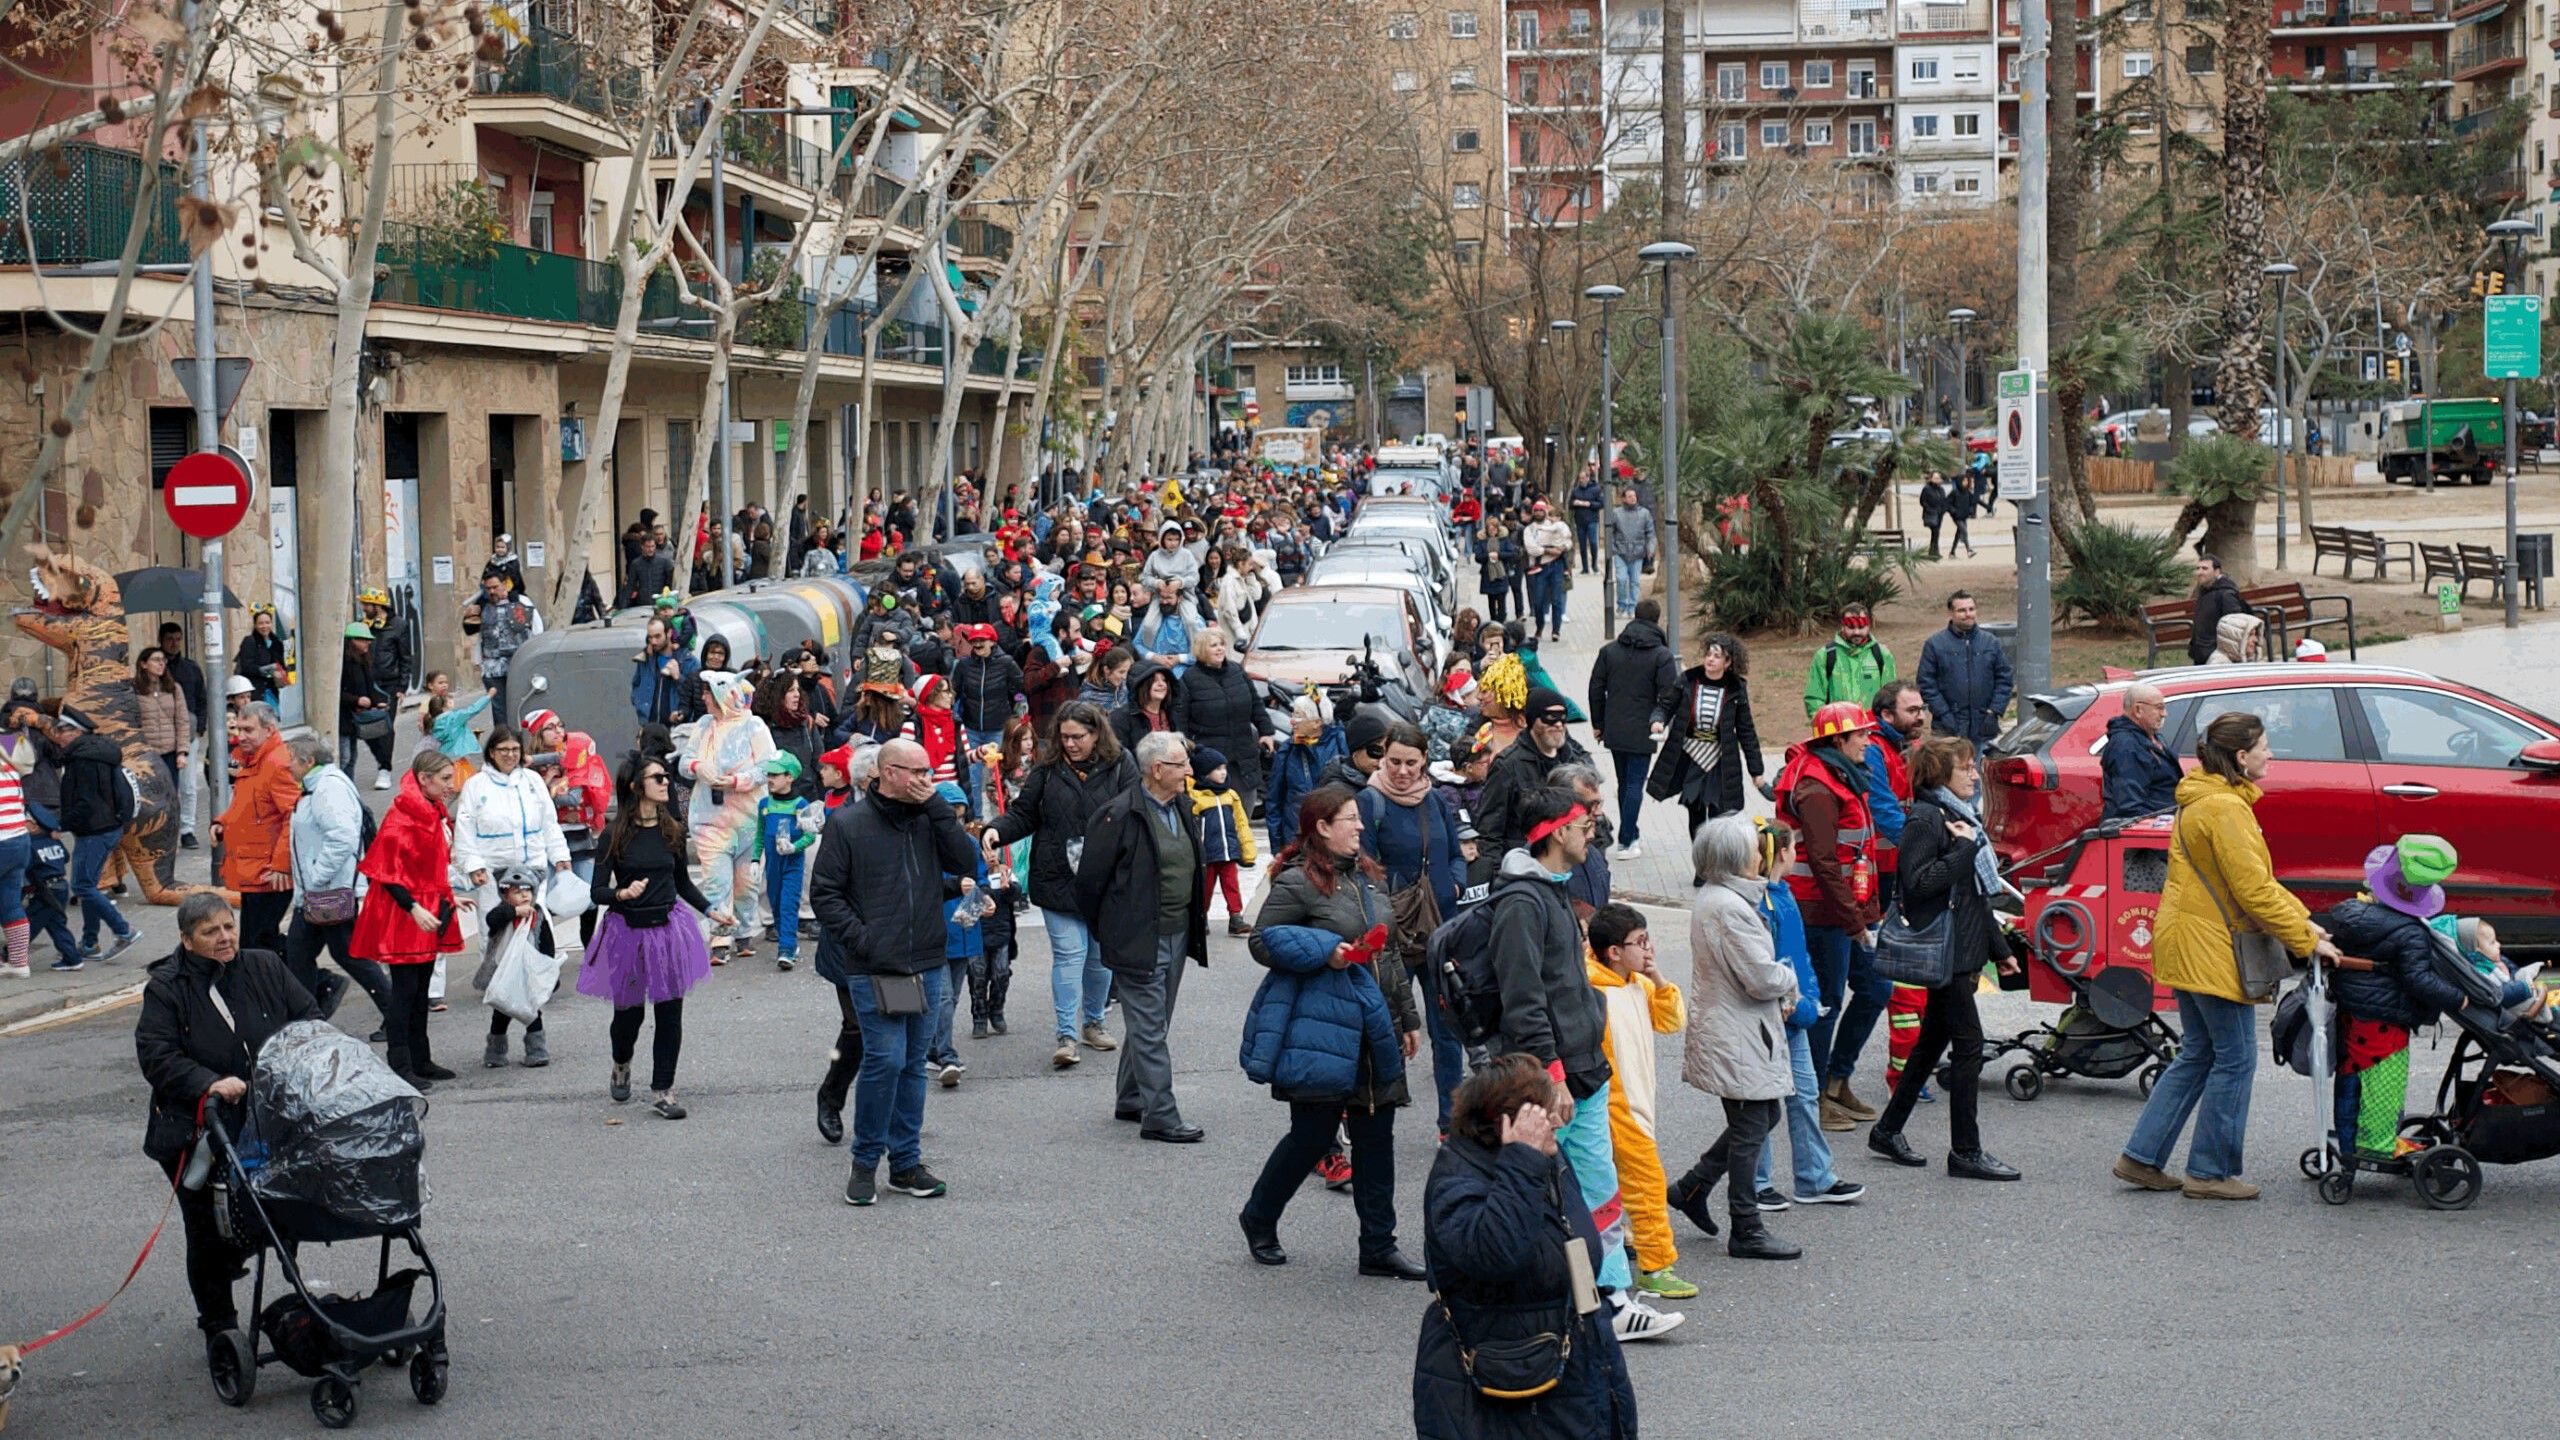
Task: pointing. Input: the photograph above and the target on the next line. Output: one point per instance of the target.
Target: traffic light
(2391, 369)
(1462, 407)
(2479, 283)
(2497, 282)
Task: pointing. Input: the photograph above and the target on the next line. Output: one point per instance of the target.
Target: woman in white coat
(1736, 1046)
(1243, 589)
(505, 817)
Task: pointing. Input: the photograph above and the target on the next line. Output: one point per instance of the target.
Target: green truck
(2467, 437)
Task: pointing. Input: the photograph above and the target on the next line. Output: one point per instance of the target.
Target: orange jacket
(257, 831)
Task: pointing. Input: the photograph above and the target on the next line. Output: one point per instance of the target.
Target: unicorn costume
(1044, 616)
(723, 754)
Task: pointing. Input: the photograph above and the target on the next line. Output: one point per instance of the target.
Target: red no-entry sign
(206, 495)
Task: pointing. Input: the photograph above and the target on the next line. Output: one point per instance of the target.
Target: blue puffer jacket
(1786, 930)
(1310, 1026)
(2404, 989)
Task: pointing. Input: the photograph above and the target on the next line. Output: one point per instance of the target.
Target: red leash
(100, 1308)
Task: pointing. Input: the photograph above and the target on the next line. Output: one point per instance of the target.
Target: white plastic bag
(566, 896)
(525, 976)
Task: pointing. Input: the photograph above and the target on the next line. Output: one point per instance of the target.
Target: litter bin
(2533, 564)
(2006, 632)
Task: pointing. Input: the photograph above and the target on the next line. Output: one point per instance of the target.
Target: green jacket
(1842, 673)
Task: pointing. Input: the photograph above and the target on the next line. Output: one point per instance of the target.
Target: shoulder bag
(2263, 962)
(1922, 955)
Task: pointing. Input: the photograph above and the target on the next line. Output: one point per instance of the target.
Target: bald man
(2140, 775)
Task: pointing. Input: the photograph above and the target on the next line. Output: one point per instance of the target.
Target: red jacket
(1834, 874)
(414, 851)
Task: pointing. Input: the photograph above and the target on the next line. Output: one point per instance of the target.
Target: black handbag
(898, 996)
(1922, 955)
(1518, 1369)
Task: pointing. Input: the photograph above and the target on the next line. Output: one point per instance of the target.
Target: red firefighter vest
(1856, 839)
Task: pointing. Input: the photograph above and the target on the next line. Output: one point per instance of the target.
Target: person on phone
(649, 949)
(1511, 1251)
(408, 917)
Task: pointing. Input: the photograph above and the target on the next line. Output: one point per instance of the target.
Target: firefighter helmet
(1841, 717)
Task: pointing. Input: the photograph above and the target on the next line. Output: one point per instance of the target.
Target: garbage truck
(2468, 438)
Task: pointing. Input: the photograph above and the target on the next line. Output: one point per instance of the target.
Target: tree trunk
(2066, 217)
(2231, 534)
(2244, 244)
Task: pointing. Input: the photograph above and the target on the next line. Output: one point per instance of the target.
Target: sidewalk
(108, 982)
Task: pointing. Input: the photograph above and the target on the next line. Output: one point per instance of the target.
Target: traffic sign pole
(2511, 350)
(209, 411)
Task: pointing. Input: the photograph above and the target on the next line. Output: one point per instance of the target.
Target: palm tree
(2244, 248)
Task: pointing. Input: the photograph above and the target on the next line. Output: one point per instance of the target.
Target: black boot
(1262, 1241)
(1688, 1195)
(831, 1092)
(1752, 1240)
(1891, 1145)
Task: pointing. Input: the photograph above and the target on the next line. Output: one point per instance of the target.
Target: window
(1577, 24)
(1462, 79)
(1636, 130)
(1315, 374)
(1406, 82)
(1817, 132)
(2138, 122)
(1467, 252)
(2302, 720)
(1924, 183)
(1773, 134)
(2137, 64)
(1404, 25)
(1729, 140)
(1579, 198)
(1462, 24)
(2200, 58)
(1466, 142)
(1965, 67)
(1773, 74)
(1528, 87)
(1862, 137)
(1924, 127)
(2009, 72)
(1528, 146)
(1922, 70)
(537, 228)
(1817, 74)
(1524, 31)
(1968, 124)
(1968, 185)
(1862, 80)
(1729, 84)
(2424, 727)
(1466, 195)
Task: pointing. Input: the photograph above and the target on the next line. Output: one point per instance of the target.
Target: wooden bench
(2351, 545)
(2170, 623)
(1884, 542)
(2461, 564)
(2289, 611)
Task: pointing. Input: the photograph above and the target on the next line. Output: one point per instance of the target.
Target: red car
(2363, 754)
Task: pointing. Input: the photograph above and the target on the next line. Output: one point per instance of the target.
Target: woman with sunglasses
(649, 949)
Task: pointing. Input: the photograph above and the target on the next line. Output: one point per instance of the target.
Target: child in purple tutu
(648, 950)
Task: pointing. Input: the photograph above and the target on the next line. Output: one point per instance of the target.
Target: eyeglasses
(908, 769)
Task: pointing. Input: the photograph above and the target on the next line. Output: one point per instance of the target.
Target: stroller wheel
(333, 1401)
(2023, 1082)
(2448, 1177)
(2337, 1185)
(427, 1376)
(2150, 1076)
(232, 1357)
(2319, 1160)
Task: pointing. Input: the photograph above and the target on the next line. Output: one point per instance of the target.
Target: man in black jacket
(878, 889)
(206, 1010)
(649, 574)
(1141, 887)
(1635, 685)
(2216, 597)
(1542, 746)
(97, 803)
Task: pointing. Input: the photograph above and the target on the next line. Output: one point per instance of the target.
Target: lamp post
(1666, 515)
(2509, 235)
(2282, 273)
(1962, 317)
(1604, 296)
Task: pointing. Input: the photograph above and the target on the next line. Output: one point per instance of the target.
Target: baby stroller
(2107, 1029)
(330, 1153)
(2498, 1104)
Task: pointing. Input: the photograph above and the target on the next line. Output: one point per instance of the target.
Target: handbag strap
(2178, 838)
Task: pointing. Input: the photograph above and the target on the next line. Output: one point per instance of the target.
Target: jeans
(955, 979)
(1585, 1142)
(88, 861)
(15, 856)
(1546, 598)
(990, 976)
(1077, 980)
(1951, 1026)
(1829, 947)
(1448, 1053)
(1804, 1127)
(1146, 1054)
(190, 777)
(1632, 766)
(1629, 575)
(1868, 995)
(888, 1094)
(1586, 541)
(666, 1040)
(783, 875)
(2217, 1058)
(380, 745)
(1373, 1169)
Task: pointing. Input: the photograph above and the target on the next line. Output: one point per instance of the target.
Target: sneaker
(1841, 1193)
(188, 842)
(1099, 1038)
(1635, 1320)
(67, 964)
(745, 951)
(123, 943)
(1664, 1285)
(2149, 1177)
(380, 782)
(1065, 1055)
(919, 1182)
(951, 1074)
(1771, 1201)
(977, 1029)
(1335, 1171)
(1629, 851)
(786, 961)
(14, 972)
(862, 1187)
(2229, 1187)
(996, 1023)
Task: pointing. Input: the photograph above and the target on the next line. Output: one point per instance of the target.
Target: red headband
(1539, 833)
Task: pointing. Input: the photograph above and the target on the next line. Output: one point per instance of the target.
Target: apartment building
(486, 350)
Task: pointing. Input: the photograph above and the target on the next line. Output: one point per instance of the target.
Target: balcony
(980, 240)
(817, 15)
(447, 270)
(891, 203)
(2484, 57)
(554, 89)
(79, 201)
(759, 156)
(1967, 17)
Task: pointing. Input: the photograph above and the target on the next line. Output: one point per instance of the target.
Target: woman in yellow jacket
(2218, 862)
(1636, 1004)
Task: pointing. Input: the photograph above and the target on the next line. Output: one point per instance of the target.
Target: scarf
(1408, 796)
(1986, 865)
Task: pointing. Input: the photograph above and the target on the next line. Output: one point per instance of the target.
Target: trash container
(2004, 631)
(2533, 564)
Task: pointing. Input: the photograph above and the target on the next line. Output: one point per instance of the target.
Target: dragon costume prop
(723, 754)
(80, 612)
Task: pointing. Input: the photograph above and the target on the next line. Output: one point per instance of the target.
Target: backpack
(1459, 967)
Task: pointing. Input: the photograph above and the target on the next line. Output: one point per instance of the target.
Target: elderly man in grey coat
(1631, 542)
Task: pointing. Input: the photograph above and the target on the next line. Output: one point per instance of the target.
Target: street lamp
(1962, 317)
(1667, 253)
(2509, 235)
(1604, 296)
(2283, 274)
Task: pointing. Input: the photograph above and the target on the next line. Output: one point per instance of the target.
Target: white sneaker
(381, 782)
(1627, 852)
(1636, 1320)
(15, 972)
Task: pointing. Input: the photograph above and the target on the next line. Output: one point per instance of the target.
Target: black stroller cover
(340, 1130)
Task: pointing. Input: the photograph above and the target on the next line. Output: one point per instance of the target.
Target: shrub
(2119, 571)
(2216, 469)
(1745, 592)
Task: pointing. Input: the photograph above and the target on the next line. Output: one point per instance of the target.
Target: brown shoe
(1835, 1118)
(2230, 1187)
(1066, 1054)
(2149, 1177)
(1099, 1038)
(1841, 1095)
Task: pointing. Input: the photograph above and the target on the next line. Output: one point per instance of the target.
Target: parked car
(1404, 548)
(2129, 426)
(2363, 754)
(1308, 635)
(1388, 567)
